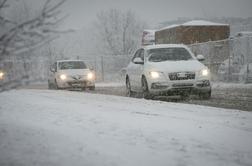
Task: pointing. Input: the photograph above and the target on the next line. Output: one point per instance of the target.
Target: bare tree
(22, 30)
(17, 36)
(118, 32)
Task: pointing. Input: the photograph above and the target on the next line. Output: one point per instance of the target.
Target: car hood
(176, 66)
(73, 72)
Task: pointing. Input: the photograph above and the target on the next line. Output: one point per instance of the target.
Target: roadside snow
(221, 85)
(109, 84)
(42, 127)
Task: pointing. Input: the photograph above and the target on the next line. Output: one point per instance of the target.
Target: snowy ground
(224, 95)
(42, 127)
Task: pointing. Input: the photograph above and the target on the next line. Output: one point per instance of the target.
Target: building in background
(197, 31)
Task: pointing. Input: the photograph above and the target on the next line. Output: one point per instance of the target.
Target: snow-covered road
(42, 127)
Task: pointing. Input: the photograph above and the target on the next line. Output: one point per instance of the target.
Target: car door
(139, 71)
(131, 70)
(136, 71)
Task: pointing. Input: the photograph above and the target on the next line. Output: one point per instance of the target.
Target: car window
(54, 67)
(72, 65)
(168, 54)
(141, 54)
(135, 55)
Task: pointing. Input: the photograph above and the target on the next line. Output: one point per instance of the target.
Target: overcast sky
(83, 12)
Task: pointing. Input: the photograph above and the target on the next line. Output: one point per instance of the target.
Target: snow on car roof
(164, 46)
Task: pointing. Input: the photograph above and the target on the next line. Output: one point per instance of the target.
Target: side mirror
(138, 61)
(91, 68)
(200, 57)
(52, 69)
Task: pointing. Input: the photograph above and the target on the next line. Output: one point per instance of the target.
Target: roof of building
(202, 23)
(195, 23)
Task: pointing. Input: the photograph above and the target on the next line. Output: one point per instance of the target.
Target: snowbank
(42, 127)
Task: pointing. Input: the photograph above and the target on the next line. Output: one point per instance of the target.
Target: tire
(129, 92)
(205, 95)
(185, 96)
(92, 88)
(50, 85)
(145, 90)
(55, 85)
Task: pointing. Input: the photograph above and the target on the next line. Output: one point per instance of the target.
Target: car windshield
(169, 54)
(72, 65)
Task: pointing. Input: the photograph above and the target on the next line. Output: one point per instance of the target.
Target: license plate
(76, 84)
(181, 75)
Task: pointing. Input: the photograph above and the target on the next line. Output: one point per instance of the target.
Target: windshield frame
(187, 51)
(74, 66)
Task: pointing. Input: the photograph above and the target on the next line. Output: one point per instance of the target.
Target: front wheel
(50, 86)
(56, 85)
(129, 92)
(92, 88)
(205, 95)
(145, 89)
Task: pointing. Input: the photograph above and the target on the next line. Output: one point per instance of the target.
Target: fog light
(203, 83)
(158, 86)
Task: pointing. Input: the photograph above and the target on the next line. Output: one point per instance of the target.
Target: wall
(191, 34)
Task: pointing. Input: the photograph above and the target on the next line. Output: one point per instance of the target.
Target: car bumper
(75, 84)
(174, 88)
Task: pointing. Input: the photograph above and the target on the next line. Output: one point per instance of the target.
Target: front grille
(182, 76)
(76, 83)
(77, 77)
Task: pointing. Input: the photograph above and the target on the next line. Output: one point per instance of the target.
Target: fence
(107, 68)
(228, 60)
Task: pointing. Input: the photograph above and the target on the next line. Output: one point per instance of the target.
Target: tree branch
(30, 31)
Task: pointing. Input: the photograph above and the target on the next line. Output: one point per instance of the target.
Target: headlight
(1, 75)
(63, 76)
(90, 76)
(154, 74)
(204, 72)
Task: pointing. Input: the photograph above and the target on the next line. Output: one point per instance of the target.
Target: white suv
(71, 74)
(167, 69)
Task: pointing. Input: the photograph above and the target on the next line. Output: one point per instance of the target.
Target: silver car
(71, 74)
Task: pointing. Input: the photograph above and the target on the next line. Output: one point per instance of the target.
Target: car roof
(164, 46)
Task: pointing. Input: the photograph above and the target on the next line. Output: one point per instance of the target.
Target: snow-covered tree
(118, 32)
(17, 35)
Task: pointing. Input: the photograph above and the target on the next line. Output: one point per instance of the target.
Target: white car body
(173, 76)
(71, 77)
